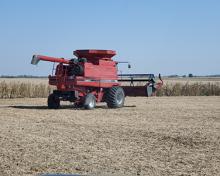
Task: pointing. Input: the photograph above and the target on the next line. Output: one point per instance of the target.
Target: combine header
(92, 77)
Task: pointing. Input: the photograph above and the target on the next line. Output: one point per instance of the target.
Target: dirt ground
(149, 136)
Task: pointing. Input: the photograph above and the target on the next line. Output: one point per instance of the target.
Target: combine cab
(91, 78)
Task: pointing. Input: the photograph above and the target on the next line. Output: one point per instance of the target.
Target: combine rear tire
(115, 97)
(90, 101)
(53, 102)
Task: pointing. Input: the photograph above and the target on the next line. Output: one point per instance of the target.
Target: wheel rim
(119, 97)
(92, 103)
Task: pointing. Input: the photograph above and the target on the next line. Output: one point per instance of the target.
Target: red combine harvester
(92, 77)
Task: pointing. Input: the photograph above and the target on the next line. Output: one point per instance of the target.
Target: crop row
(31, 90)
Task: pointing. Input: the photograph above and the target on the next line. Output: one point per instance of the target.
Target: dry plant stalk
(24, 90)
(186, 89)
(41, 90)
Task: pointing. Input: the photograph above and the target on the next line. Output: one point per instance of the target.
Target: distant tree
(173, 76)
(190, 75)
(184, 76)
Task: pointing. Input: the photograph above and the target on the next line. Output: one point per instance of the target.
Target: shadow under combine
(61, 175)
(61, 107)
(38, 107)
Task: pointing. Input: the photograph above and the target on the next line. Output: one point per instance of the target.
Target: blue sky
(157, 36)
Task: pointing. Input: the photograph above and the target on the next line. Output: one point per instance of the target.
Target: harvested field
(149, 136)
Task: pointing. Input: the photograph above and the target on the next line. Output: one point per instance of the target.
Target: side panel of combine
(104, 70)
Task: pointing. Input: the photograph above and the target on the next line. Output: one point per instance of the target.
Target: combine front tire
(53, 102)
(115, 97)
(90, 101)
